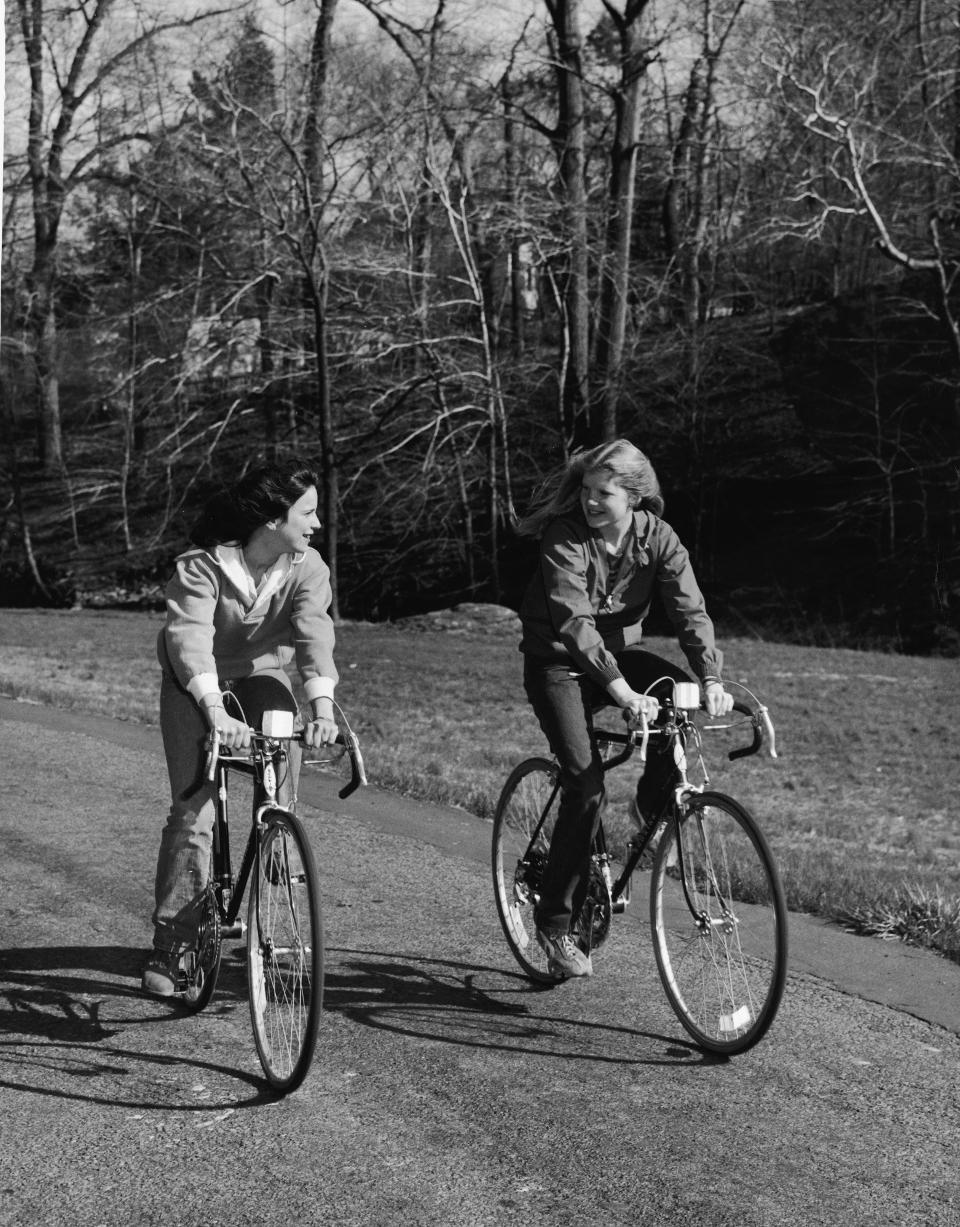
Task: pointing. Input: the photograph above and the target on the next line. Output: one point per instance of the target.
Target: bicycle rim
(202, 975)
(522, 829)
(284, 951)
(721, 943)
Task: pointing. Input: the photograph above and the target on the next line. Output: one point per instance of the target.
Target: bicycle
(717, 909)
(284, 931)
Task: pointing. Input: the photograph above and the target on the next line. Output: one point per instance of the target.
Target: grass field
(860, 808)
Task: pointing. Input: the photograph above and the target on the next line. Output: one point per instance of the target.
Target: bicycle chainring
(200, 961)
(591, 928)
(529, 876)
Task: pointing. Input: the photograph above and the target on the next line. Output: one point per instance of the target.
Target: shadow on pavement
(62, 1010)
(484, 1007)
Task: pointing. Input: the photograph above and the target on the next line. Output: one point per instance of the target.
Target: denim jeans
(186, 842)
(564, 702)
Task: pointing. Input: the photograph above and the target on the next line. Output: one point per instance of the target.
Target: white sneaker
(565, 958)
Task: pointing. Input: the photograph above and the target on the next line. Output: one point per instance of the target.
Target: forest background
(433, 247)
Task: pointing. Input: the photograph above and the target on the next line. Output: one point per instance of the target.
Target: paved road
(446, 1089)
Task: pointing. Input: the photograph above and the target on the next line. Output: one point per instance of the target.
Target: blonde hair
(560, 493)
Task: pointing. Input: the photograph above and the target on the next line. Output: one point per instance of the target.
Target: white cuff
(318, 688)
(203, 683)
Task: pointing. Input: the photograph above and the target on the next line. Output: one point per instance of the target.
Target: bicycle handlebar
(346, 738)
(762, 724)
(746, 751)
(759, 717)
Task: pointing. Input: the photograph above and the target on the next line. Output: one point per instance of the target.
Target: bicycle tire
(284, 950)
(201, 977)
(530, 793)
(724, 969)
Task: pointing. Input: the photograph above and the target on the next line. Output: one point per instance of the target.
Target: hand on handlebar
(716, 700)
(320, 732)
(640, 705)
(234, 734)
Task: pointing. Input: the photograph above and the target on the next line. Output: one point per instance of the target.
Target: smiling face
(299, 525)
(606, 504)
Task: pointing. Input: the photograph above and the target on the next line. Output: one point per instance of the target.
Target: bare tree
(634, 58)
(886, 122)
(63, 87)
(569, 140)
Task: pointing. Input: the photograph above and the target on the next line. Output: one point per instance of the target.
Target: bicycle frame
(262, 769)
(262, 764)
(677, 726)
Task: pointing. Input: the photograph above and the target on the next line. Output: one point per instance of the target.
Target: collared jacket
(568, 612)
(220, 625)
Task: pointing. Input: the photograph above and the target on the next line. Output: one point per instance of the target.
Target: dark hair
(560, 493)
(262, 494)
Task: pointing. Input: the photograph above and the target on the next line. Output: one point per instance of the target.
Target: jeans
(186, 842)
(564, 702)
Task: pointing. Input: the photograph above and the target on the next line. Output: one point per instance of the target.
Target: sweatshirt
(221, 625)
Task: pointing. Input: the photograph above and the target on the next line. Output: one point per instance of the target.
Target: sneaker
(565, 958)
(162, 973)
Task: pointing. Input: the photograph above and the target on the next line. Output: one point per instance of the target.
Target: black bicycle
(284, 930)
(717, 908)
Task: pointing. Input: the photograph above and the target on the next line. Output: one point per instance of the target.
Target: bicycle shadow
(48, 990)
(63, 1009)
(484, 1007)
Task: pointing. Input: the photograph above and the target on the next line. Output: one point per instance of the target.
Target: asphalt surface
(446, 1089)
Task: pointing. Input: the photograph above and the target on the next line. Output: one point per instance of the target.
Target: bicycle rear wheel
(204, 962)
(720, 925)
(522, 829)
(284, 950)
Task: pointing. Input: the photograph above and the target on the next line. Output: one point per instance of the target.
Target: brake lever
(213, 754)
(764, 715)
(644, 732)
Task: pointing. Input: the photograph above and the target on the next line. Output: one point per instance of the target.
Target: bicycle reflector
(687, 695)
(278, 723)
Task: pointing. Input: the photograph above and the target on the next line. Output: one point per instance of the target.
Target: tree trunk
(511, 191)
(612, 330)
(679, 206)
(569, 142)
(317, 277)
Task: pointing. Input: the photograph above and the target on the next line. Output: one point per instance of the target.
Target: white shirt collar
(234, 567)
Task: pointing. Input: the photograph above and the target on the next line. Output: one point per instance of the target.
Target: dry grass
(860, 808)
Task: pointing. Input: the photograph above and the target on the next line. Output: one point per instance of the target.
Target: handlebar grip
(745, 751)
(358, 775)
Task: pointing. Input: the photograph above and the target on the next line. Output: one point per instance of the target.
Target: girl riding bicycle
(604, 553)
(252, 597)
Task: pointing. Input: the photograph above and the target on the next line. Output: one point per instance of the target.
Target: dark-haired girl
(604, 553)
(251, 598)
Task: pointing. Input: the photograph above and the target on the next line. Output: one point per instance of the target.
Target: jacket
(567, 612)
(220, 625)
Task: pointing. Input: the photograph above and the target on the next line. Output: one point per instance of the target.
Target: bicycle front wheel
(719, 922)
(285, 950)
(522, 829)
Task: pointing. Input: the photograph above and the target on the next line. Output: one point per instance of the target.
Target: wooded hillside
(433, 262)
